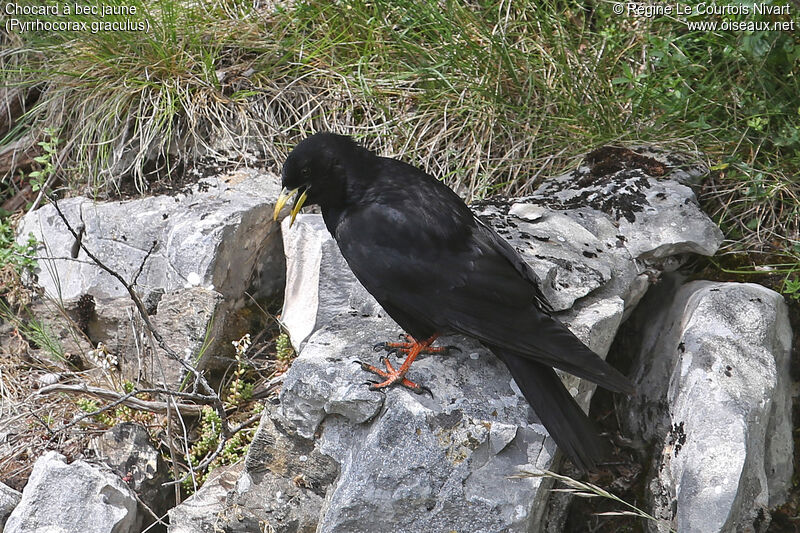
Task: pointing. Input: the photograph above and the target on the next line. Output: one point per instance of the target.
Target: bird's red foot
(396, 376)
(410, 342)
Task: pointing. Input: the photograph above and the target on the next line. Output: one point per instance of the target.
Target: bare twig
(128, 399)
(144, 260)
(199, 378)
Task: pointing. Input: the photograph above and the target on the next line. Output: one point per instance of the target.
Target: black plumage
(435, 268)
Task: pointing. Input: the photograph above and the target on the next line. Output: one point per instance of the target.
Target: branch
(128, 399)
(207, 396)
(199, 378)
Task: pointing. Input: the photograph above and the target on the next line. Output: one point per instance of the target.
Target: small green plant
(39, 177)
(90, 406)
(20, 256)
(234, 450)
(791, 287)
(239, 390)
(284, 352)
(118, 415)
(16, 260)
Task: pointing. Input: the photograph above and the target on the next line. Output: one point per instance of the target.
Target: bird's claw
(385, 346)
(422, 389)
(373, 386)
(363, 365)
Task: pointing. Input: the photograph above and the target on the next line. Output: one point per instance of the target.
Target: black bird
(436, 268)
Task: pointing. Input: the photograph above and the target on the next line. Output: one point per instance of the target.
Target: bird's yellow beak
(284, 197)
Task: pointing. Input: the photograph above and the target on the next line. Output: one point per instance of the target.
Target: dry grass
(34, 422)
(466, 93)
(29, 420)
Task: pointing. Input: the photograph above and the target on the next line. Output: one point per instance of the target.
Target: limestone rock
(200, 512)
(283, 485)
(280, 487)
(714, 395)
(425, 464)
(127, 449)
(657, 217)
(9, 499)
(319, 284)
(65, 498)
(215, 235)
(193, 258)
(445, 457)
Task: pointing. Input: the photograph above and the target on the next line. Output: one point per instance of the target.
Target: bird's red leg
(397, 376)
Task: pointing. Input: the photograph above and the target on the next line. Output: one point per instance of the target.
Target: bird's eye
(305, 172)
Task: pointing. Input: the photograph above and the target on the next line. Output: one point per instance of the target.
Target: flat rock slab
(211, 235)
(319, 284)
(410, 461)
(713, 377)
(66, 498)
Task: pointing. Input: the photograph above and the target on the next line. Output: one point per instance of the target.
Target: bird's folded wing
(461, 279)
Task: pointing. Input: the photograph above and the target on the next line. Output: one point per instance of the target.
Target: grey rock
(216, 246)
(713, 376)
(127, 449)
(283, 485)
(188, 319)
(433, 464)
(658, 217)
(319, 284)
(423, 464)
(201, 512)
(280, 487)
(59, 323)
(65, 498)
(191, 322)
(9, 499)
(215, 235)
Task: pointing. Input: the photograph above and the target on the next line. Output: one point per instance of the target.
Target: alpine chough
(436, 268)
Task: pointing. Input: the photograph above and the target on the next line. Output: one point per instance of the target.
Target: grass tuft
(488, 95)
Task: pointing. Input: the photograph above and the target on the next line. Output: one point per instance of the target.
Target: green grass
(488, 95)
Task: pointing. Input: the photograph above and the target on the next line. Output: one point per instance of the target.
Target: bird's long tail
(566, 422)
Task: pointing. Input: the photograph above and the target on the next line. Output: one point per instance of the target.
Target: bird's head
(314, 171)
